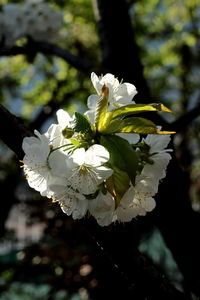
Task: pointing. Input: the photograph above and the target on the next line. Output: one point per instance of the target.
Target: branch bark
(12, 131)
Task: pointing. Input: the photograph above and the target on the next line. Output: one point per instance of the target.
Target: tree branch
(32, 48)
(120, 54)
(12, 131)
(121, 57)
(138, 273)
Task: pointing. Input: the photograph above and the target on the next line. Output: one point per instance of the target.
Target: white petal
(103, 173)
(63, 118)
(157, 142)
(54, 135)
(58, 162)
(92, 101)
(96, 83)
(101, 204)
(80, 210)
(158, 168)
(68, 205)
(149, 204)
(28, 142)
(91, 115)
(145, 186)
(126, 214)
(87, 183)
(132, 138)
(78, 156)
(96, 155)
(69, 202)
(125, 93)
(44, 142)
(102, 208)
(110, 81)
(37, 182)
(83, 180)
(128, 197)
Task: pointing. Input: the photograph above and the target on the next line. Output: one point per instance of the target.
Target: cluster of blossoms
(35, 19)
(106, 163)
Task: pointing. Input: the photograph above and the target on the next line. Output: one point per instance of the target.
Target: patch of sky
(15, 105)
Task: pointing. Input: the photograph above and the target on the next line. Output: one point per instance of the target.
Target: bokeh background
(154, 44)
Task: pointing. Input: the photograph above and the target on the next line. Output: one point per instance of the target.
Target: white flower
(158, 154)
(41, 163)
(87, 170)
(42, 22)
(119, 93)
(145, 188)
(71, 203)
(102, 208)
(138, 199)
(35, 19)
(126, 211)
(157, 142)
(12, 23)
(63, 118)
(36, 166)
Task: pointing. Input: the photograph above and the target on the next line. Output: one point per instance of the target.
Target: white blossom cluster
(34, 19)
(70, 165)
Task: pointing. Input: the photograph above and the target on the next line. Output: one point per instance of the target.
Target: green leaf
(101, 110)
(138, 108)
(165, 132)
(131, 125)
(122, 154)
(118, 184)
(81, 124)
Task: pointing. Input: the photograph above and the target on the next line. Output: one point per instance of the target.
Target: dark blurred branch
(179, 223)
(137, 268)
(32, 48)
(8, 188)
(137, 272)
(12, 131)
(120, 53)
(175, 217)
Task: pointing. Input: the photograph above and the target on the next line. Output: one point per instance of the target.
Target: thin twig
(32, 48)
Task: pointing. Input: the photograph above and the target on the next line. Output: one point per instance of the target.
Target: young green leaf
(81, 124)
(118, 184)
(138, 108)
(101, 110)
(131, 125)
